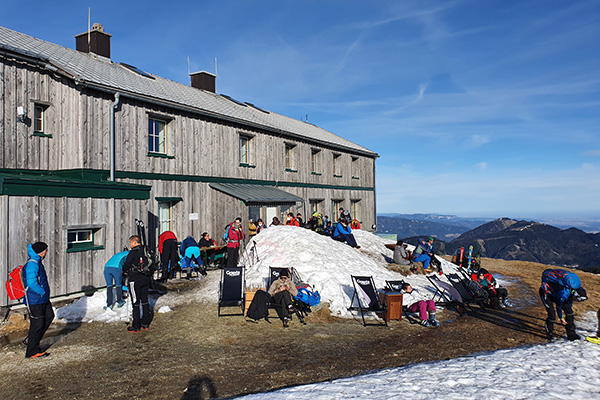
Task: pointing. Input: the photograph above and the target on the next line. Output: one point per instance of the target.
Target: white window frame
(153, 135)
(165, 205)
(245, 150)
(39, 118)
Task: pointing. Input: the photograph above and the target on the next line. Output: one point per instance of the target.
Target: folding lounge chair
(451, 297)
(366, 297)
(468, 290)
(232, 291)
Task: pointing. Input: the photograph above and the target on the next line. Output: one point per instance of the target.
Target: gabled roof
(89, 69)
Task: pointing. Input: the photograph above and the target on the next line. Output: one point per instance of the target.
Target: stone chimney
(97, 41)
(204, 80)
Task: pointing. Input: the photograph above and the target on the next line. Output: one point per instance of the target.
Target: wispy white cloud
(482, 165)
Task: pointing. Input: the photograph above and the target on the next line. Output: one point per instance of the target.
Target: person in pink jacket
(235, 235)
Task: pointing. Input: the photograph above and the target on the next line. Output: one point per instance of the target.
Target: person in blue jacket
(559, 288)
(113, 272)
(423, 253)
(37, 298)
(343, 233)
(190, 253)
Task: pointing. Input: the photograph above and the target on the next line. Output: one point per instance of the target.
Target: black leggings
(566, 307)
(40, 318)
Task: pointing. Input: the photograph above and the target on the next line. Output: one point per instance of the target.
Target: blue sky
(476, 108)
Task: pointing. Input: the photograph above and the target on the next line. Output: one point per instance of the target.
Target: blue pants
(425, 259)
(348, 238)
(113, 275)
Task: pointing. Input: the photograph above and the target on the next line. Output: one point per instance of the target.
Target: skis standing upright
(462, 254)
(470, 255)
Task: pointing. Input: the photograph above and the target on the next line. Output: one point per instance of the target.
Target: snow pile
(323, 263)
(557, 370)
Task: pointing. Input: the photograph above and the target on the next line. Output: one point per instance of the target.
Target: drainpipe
(115, 104)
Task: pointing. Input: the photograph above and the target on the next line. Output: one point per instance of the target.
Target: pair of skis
(462, 254)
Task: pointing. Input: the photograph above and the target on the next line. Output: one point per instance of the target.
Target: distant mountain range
(502, 238)
(510, 239)
(443, 227)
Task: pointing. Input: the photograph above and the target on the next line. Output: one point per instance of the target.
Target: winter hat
(284, 272)
(39, 247)
(430, 239)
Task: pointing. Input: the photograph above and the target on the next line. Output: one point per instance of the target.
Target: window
(335, 209)
(355, 209)
(82, 239)
(164, 216)
(290, 157)
(337, 165)
(314, 161)
(245, 151)
(38, 118)
(316, 205)
(355, 168)
(157, 136)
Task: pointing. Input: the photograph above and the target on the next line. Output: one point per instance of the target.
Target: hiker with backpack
(415, 301)
(234, 234)
(137, 269)
(291, 220)
(37, 299)
(345, 215)
(282, 290)
(558, 290)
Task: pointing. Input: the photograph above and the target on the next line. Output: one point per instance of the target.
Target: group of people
(342, 231)
(423, 253)
(558, 291)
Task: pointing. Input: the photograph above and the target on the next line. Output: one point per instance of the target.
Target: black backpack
(144, 265)
(258, 309)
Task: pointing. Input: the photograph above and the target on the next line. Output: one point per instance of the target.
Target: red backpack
(14, 285)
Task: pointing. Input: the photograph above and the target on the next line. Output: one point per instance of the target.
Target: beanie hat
(38, 247)
(284, 272)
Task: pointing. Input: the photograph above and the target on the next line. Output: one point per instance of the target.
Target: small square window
(83, 239)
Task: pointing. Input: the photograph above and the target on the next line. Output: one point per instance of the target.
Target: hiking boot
(40, 355)
(132, 329)
(291, 309)
(145, 327)
(425, 323)
(427, 270)
(286, 322)
(573, 336)
(120, 304)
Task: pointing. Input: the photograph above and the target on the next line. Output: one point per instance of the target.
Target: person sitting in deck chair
(282, 290)
(487, 281)
(415, 301)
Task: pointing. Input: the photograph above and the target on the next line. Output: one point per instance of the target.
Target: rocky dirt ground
(191, 353)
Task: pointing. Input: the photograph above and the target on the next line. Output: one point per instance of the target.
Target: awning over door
(256, 194)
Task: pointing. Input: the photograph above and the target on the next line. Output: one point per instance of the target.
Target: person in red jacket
(167, 247)
(487, 281)
(291, 220)
(235, 235)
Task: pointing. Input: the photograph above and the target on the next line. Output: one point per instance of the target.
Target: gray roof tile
(94, 70)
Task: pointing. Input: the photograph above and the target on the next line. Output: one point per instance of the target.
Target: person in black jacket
(139, 283)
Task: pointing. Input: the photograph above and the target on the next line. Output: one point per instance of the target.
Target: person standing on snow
(559, 288)
(37, 298)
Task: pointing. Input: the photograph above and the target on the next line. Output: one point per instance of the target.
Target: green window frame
(82, 239)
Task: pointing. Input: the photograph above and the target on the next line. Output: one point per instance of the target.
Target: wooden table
(204, 251)
(394, 304)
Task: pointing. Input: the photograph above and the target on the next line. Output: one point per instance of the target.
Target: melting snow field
(551, 371)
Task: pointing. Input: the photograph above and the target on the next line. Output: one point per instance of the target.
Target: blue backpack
(560, 283)
(308, 296)
(226, 234)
